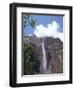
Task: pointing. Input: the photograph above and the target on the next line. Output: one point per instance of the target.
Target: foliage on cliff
(30, 63)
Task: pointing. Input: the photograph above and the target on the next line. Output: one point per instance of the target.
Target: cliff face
(54, 53)
(55, 48)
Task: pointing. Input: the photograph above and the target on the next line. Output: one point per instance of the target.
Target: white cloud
(50, 31)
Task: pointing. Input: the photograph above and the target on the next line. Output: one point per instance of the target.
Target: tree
(31, 65)
(30, 20)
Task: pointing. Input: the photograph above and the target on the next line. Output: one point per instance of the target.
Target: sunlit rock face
(49, 52)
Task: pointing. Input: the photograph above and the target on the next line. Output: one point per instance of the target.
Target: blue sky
(45, 20)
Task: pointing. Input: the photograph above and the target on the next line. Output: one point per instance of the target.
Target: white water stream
(44, 63)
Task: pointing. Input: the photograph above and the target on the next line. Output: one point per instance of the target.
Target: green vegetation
(31, 65)
(30, 20)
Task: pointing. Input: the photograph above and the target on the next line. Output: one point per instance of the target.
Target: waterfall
(44, 63)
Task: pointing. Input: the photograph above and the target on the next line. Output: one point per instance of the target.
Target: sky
(47, 25)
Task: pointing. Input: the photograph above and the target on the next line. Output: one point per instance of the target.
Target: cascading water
(44, 63)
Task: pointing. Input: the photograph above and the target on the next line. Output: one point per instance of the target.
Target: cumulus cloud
(50, 31)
